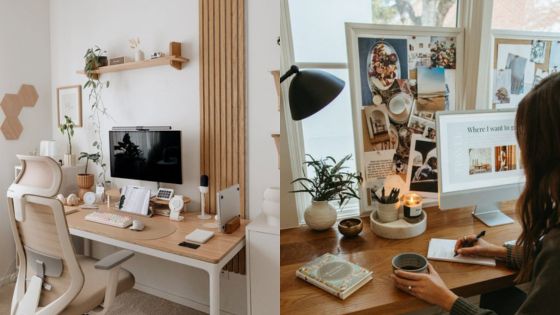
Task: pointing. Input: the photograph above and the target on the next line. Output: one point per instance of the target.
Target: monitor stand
(491, 215)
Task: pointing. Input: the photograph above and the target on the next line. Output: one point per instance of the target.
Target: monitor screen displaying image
(146, 155)
(479, 161)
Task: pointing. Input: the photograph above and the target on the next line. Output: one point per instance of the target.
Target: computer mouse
(137, 225)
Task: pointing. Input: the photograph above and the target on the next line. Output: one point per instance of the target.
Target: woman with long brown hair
(536, 253)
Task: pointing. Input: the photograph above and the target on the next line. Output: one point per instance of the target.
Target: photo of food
(505, 158)
(480, 161)
(444, 52)
(382, 62)
(538, 51)
(423, 175)
(431, 89)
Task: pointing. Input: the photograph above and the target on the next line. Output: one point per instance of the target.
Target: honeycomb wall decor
(12, 104)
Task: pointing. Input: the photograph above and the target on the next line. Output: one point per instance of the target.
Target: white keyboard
(120, 221)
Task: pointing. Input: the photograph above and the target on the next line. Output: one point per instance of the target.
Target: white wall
(165, 96)
(263, 55)
(25, 58)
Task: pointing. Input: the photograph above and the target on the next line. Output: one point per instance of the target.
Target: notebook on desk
(444, 250)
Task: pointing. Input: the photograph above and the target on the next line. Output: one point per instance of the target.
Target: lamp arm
(293, 70)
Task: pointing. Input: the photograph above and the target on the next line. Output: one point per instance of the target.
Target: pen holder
(388, 212)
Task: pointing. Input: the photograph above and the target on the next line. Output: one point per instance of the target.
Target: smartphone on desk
(189, 245)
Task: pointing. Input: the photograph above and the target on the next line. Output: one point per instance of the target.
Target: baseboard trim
(7, 279)
(176, 298)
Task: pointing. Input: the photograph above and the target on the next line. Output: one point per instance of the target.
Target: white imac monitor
(479, 162)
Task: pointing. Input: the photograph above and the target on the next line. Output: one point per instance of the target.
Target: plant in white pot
(331, 182)
(68, 128)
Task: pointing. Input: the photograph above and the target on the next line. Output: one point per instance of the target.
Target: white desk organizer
(399, 229)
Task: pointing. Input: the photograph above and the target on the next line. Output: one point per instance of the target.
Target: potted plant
(85, 180)
(330, 182)
(68, 128)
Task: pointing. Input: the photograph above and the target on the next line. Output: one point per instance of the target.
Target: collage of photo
(501, 158)
(519, 65)
(404, 81)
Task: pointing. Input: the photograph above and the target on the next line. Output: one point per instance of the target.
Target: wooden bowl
(350, 227)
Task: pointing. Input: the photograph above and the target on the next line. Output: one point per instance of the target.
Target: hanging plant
(98, 109)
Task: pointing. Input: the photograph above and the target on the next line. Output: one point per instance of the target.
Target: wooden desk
(300, 245)
(211, 257)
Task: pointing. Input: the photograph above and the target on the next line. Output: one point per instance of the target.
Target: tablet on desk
(228, 205)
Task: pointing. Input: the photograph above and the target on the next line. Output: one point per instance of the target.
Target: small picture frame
(69, 101)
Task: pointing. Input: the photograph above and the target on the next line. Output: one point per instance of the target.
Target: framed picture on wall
(69, 102)
(400, 76)
(520, 60)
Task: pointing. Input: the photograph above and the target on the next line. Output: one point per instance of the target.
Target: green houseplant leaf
(330, 181)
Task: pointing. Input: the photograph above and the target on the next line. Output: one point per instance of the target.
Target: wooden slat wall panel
(222, 94)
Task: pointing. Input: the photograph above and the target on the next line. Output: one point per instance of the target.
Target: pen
(470, 244)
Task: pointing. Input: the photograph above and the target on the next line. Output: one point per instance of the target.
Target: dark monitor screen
(146, 155)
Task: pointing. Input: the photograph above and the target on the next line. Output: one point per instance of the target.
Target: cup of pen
(388, 205)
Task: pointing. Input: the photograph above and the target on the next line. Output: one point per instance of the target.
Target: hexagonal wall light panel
(12, 105)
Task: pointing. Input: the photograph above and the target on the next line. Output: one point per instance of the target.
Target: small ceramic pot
(388, 212)
(320, 215)
(350, 227)
(85, 182)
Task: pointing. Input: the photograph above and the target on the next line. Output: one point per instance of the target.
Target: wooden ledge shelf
(173, 59)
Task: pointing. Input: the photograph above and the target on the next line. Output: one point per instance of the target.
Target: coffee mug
(411, 262)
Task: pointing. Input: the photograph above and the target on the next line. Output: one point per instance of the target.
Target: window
(530, 15)
(319, 41)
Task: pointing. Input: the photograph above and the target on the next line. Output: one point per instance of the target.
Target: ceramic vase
(138, 55)
(69, 160)
(320, 215)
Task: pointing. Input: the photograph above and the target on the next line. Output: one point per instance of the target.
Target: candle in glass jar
(412, 206)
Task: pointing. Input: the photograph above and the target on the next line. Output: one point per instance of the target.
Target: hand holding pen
(466, 244)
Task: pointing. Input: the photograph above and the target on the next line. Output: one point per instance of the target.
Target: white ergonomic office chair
(52, 279)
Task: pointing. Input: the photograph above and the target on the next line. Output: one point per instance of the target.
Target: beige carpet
(132, 302)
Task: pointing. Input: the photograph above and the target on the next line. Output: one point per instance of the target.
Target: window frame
(475, 71)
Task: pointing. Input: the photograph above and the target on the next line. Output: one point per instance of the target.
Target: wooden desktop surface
(379, 296)
(212, 251)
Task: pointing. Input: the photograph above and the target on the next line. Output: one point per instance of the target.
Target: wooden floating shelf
(173, 59)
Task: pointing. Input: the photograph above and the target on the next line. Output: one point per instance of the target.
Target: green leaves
(331, 182)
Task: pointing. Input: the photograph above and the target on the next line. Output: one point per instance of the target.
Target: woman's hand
(480, 247)
(428, 287)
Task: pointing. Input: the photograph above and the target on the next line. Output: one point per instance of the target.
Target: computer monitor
(479, 162)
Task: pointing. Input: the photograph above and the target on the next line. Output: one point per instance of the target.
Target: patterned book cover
(334, 275)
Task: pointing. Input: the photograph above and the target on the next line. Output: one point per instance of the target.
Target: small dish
(350, 227)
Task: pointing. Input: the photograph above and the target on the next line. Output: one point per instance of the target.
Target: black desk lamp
(310, 91)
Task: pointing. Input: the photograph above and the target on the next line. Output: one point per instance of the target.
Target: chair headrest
(40, 176)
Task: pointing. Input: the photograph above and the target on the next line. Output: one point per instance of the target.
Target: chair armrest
(114, 260)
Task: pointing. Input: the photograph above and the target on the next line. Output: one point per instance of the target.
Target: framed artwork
(400, 76)
(520, 60)
(69, 102)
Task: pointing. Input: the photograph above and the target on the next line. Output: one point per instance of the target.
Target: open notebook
(442, 249)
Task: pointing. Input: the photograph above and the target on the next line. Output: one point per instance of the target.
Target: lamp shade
(311, 90)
